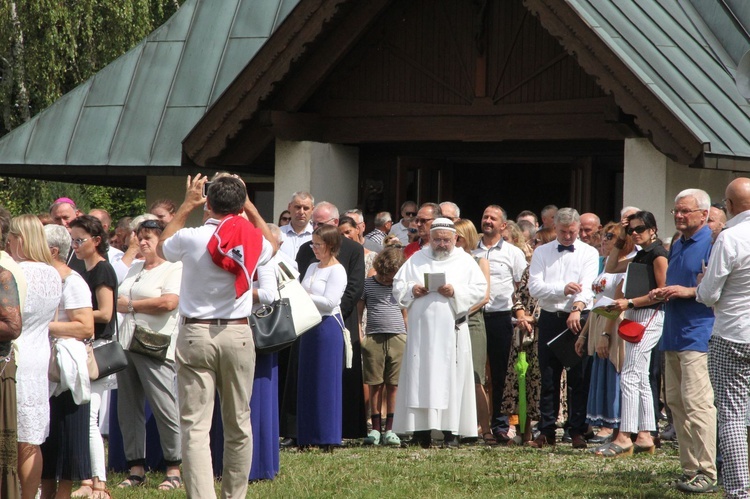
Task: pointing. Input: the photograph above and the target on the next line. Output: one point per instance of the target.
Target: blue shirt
(687, 323)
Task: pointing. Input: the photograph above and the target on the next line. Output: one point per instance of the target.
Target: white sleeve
(267, 284)
(539, 288)
(720, 265)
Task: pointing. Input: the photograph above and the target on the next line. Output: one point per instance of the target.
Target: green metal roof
(676, 52)
(136, 111)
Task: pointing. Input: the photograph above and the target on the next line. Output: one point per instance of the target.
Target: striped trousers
(729, 370)
(637, 405)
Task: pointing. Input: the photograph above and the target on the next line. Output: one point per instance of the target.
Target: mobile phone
(205, 189)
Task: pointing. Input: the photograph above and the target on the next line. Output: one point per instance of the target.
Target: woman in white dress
(27, 245)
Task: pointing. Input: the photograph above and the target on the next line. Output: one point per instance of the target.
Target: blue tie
(562, 247)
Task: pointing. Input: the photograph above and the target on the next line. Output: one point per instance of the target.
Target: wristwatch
(604, 333)
(130, 307)
(575, 309)
(631, 304)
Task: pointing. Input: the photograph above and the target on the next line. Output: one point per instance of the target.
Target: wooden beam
(301, 126)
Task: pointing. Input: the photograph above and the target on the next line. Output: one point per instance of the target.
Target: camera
(205, 189)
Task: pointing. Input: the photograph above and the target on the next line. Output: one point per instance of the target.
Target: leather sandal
(132, 481)
(489, 438)
(171, 483)
(614, 450)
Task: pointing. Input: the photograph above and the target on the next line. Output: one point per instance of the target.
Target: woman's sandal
(132, 481)
(489, 438)
(644, 449)
(171, 483)
(614, 450)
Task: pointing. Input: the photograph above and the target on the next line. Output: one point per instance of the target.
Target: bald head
(590, 225)
(738, 196)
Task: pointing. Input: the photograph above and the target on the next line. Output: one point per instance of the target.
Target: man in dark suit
(351, 256)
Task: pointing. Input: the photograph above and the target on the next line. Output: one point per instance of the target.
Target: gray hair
(701, 197)
(303, 195)
(436, 211)
(408, 203)
(453, 205)
(626, 209)
(567, 216)
(276, 232)
(140, 219)
(382, 218)
(58, 237)
(548, 208)
(527, 226)
(355, 214)
(334, 212)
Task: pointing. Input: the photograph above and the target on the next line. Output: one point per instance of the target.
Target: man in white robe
(436, 384)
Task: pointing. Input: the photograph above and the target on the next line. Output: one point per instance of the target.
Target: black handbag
(108, 358)
(273, 327)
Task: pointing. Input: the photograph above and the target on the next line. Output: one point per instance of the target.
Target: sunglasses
(420, 221)
(286, 219)
(410, 213)
(638, 230)
(609, 236)
(149, 224)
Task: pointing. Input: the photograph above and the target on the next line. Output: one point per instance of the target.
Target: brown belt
(217, 322)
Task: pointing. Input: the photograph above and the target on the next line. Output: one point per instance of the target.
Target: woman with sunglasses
(149, 296)
(637, 406)
(90, 243)
(607, 351)
(285, 218)
(27, 245)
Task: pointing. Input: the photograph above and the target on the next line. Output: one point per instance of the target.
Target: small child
(384, 342)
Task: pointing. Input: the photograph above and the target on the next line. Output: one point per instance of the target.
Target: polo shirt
(687, 323)
(507, 264)
(401, 232)
(207, 291)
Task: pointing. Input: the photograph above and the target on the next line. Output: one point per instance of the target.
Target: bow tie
(562, 247)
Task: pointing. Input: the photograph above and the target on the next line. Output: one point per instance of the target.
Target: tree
(47, 48)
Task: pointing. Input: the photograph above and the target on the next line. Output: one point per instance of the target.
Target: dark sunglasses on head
(149, 224)
(609, 236)
(638, 230)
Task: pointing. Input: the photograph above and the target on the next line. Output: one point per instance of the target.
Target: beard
(440, 253)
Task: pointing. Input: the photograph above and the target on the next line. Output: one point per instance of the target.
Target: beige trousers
(690, 396)
(211, 358)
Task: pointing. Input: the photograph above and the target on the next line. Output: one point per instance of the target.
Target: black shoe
(288, 443)
(423, 438)
(450, 441)
(567, 439)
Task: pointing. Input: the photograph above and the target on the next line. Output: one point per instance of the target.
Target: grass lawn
(470, 471)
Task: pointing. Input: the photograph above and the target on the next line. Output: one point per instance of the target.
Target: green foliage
(53, 46)
(35, 196)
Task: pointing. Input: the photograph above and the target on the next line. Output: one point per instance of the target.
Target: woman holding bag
(148, 297)
(637, 408)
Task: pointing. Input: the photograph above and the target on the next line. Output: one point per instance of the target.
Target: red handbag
(632, 331)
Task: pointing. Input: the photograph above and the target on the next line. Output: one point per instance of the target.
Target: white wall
(652, 181)
(328, 171)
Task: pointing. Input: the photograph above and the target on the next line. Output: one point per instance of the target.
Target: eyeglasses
(683, 213)
(317, 224)
(149, 224)
(609, 236)
(78, 241)
(420, 221)
(638, 230)
(410, 213)
(318, 245)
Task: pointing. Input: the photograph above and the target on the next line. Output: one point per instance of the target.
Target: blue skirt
(264, 417)
(603, 408)
(321, 359)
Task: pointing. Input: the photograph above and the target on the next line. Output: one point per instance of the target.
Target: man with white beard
(436, 382)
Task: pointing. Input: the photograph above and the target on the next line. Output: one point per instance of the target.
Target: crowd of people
(433, 332)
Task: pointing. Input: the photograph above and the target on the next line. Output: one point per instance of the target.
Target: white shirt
(726, 282)
(326, 287)
(267, 283)
(507, 264)
(207, 291)
(552, 270)
(293, 241)
(401, 232)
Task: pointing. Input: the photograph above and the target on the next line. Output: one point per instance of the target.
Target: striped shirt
(383, 313)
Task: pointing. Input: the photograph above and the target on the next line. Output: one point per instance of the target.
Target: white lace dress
(32, 351)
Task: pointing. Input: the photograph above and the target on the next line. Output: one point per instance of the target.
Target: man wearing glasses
(401, 229)
(426, 214)
(684, 341)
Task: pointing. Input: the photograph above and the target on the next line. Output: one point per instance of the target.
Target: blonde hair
(466, 229)
(30, 232)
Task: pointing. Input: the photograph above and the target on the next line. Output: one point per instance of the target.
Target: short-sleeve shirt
(102, 274)
(75, 294)
(383, 312)
(647, 255)
(507, 264)
(207, 291)
(687, 323)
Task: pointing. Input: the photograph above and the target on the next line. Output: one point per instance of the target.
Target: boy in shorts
(383, 343)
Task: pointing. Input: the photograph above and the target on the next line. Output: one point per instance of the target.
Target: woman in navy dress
(321, 350)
